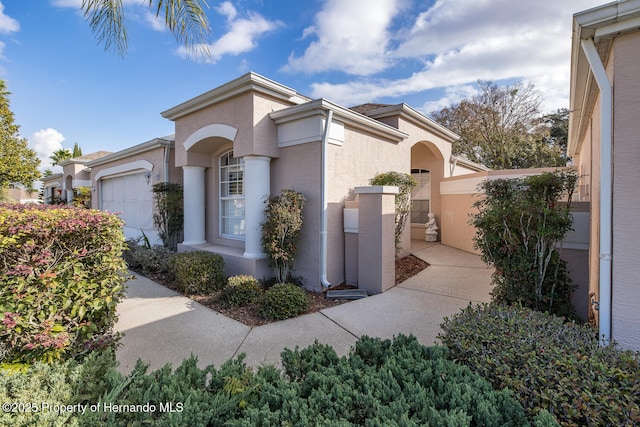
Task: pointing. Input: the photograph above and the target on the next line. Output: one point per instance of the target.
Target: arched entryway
(428, 168)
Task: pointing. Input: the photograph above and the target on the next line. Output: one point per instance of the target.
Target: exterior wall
(298, 168)
(458, 194)
(626, 193)
(353, 164)
(455, 229)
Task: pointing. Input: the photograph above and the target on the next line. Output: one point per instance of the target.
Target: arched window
(231, 196)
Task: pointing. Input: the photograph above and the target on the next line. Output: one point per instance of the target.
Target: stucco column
(376, 238)
(69, 197)
(194, 196)
(257, 185)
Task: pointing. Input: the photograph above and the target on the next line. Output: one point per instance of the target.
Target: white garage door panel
(132, 198)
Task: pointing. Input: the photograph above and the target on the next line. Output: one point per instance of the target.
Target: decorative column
(194, 197)
(257, 185)
(376, 238)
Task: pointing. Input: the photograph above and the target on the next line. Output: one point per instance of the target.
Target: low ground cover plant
(548, 363)
(380, 383)
(197, 272)
(62, 275)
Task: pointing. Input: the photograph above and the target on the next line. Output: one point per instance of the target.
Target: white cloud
(461, 41)
(7, 23)
(240, 38)
(227, 9)
(45, 142)
(350, 36)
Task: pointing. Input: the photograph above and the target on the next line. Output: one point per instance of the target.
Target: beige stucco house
(254, 137)
(604, 141)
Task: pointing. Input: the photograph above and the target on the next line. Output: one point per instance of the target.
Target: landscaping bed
(406, 267)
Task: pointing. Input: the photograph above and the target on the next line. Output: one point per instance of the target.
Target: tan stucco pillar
(194, 196)
(376, 238)
(257, 186)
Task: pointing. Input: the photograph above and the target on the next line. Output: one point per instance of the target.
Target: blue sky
(429, 54)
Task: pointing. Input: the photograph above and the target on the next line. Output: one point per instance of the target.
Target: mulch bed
(405, 268)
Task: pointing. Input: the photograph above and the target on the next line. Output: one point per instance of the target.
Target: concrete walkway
(161, 326)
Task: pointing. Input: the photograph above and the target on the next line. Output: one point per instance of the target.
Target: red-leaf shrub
(61, 277)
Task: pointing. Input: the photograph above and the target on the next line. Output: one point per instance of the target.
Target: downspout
(324, 203)
(167, 152)
(606, 196)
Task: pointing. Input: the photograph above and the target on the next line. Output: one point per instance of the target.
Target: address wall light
(147, 177)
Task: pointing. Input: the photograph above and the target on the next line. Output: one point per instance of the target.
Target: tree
(60, 156)
(77, 151)
(186, 19)
(520, 225)
(18, 163)
(502, 128)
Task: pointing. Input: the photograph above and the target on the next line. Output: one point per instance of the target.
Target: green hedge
(241, 290)
(282, 301)
(197, 272)
(549, 364)
(62, 276)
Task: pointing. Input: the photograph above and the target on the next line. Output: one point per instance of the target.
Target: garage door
(131, 197)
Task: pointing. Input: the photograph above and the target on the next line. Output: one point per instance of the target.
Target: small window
(231, 196)
(421, 196)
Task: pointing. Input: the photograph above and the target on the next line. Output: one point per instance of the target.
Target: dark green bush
(282, 301)
(197, 272)
(144, 260)
(519, 224)
(62, 275)
(381, 383)
(241, 290)
(549, 364)
(33, 393)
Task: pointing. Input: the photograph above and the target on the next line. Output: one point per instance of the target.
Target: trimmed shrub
(549, 364)
(145, 260)
(197, 272)
(282, 301)
(281, 231)
(62, 275)
(241, 290)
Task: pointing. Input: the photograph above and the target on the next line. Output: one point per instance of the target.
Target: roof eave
(412, 115)
(132, 151)
(350, 117)
(247, 82)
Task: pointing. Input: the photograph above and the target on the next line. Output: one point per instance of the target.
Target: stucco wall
(626, 192)
(298, 168)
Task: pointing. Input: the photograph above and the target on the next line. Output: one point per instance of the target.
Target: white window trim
(221, 198)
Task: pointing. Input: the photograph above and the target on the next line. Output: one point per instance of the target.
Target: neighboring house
(122, 183)
(22, 195)
(254, 137)
(52, 189)
(604, 141)
(61, 187)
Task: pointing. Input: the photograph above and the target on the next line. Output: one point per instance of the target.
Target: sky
(66, 89)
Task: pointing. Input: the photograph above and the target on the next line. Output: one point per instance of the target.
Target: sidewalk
(161, 326)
